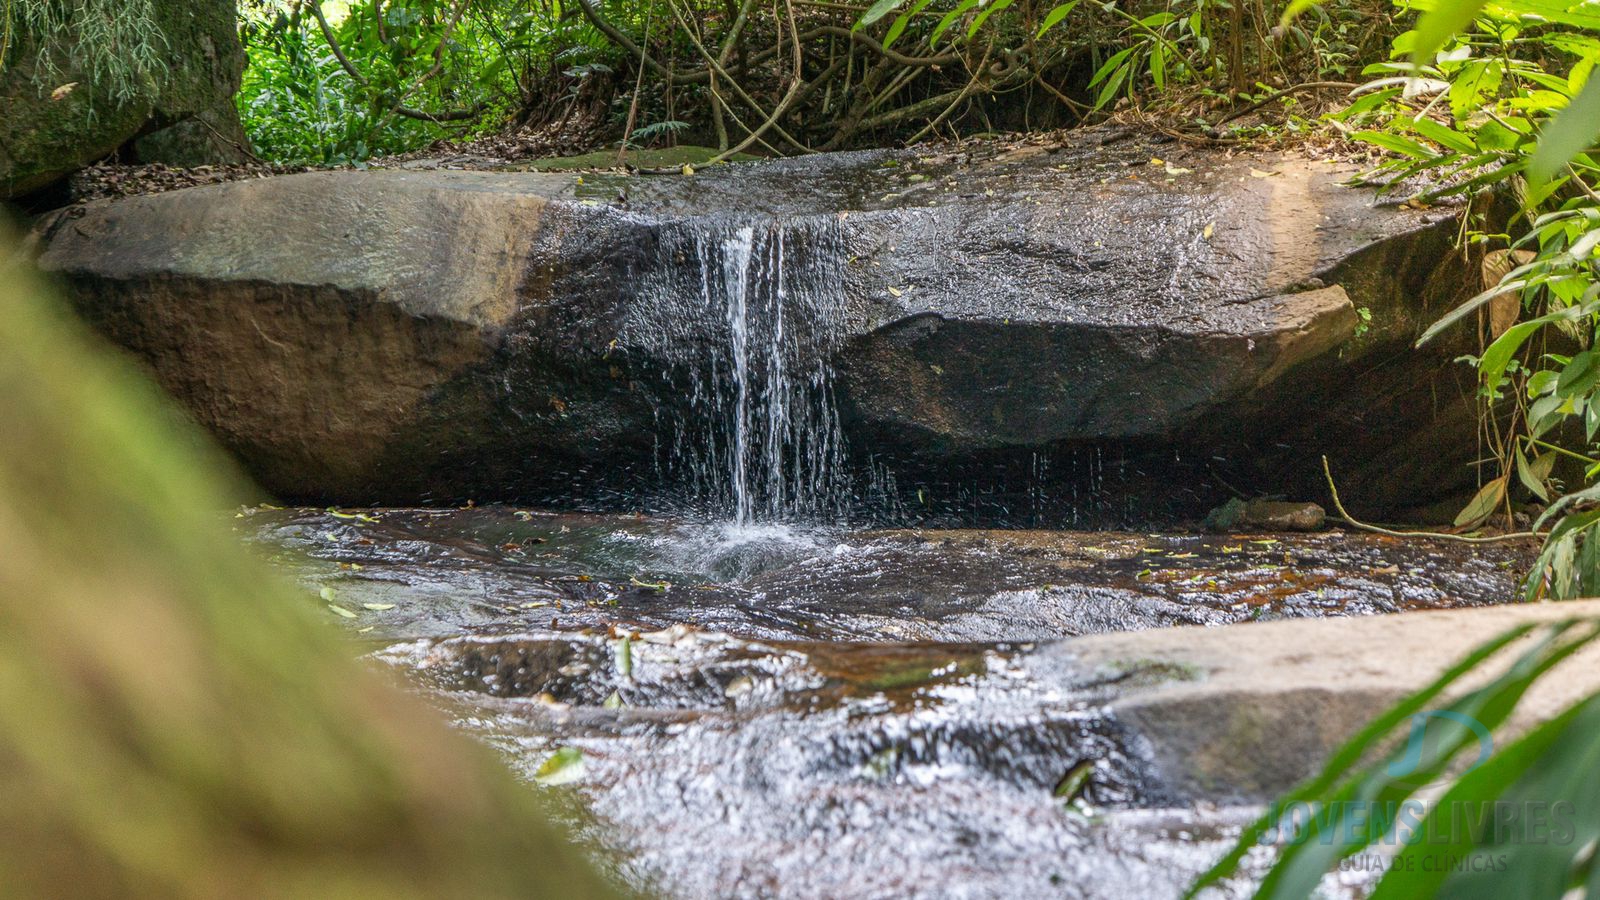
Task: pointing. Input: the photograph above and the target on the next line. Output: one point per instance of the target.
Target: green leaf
(950, 18)
(988, 11)
(378, 607)
(1055, 16)
(341, 611)
(1495, 359)
(1579, 376)
(1342, 826)
(1483, 504)
(563, 767)
(1558, 760)
(877, 11)
(1344, 762)
(1573, 132)
(1294, 10)
(1109, 65)
(1438, 25)
(898, 27)
(1111, 86)
(1439, 134)
(1532, 479)
(1395, 143)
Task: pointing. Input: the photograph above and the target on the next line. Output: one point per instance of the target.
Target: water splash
(754, 313)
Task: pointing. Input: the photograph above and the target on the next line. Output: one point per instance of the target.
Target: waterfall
(747, 315)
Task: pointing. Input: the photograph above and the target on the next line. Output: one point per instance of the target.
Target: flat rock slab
(719, 765)
(430, 335)
(1261, 706)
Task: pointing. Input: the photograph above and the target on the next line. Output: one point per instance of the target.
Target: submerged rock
(1266, 515)
(1020, 338)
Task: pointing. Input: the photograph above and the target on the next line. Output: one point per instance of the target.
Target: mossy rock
(47, 134)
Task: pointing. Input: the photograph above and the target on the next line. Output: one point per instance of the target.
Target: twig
(638, 88)
(1437, 535)
(455, 115)
(1279, 95)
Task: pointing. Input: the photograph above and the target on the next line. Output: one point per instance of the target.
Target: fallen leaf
(624, 657)
(63, 91)
(1211, 228)
(341, 611)
(1257, 173)
(377, 607)
(563, 767)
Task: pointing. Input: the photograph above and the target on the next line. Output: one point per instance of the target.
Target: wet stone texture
(770, 711)
(490, 569)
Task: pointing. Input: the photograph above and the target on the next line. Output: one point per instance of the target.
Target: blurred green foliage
(174, 722)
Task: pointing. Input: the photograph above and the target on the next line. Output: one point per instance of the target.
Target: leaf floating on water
(327, 593)
(613, 702)
(1238, 549)
(339, 610)
(523, 515)
(657, 586)
(377, 607)
(1072, 784)
(358, 517)
(897, 292)
(563, 767)
(688, 169)
(1183, 556)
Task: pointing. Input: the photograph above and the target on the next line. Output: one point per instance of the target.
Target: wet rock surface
(1025, 336)
(766, 711)
(438, 572)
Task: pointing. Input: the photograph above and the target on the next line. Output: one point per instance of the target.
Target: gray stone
(402, 336)
(1261, 706)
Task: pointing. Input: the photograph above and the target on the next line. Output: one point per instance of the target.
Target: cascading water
(756, 312)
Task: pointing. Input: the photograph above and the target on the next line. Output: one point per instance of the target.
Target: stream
(774, 709)
(757, 689)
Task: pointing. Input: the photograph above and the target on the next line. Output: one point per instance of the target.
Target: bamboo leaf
(1573, 131)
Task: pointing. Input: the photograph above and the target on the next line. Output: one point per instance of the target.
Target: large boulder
(1031, 325)
(65, 108)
